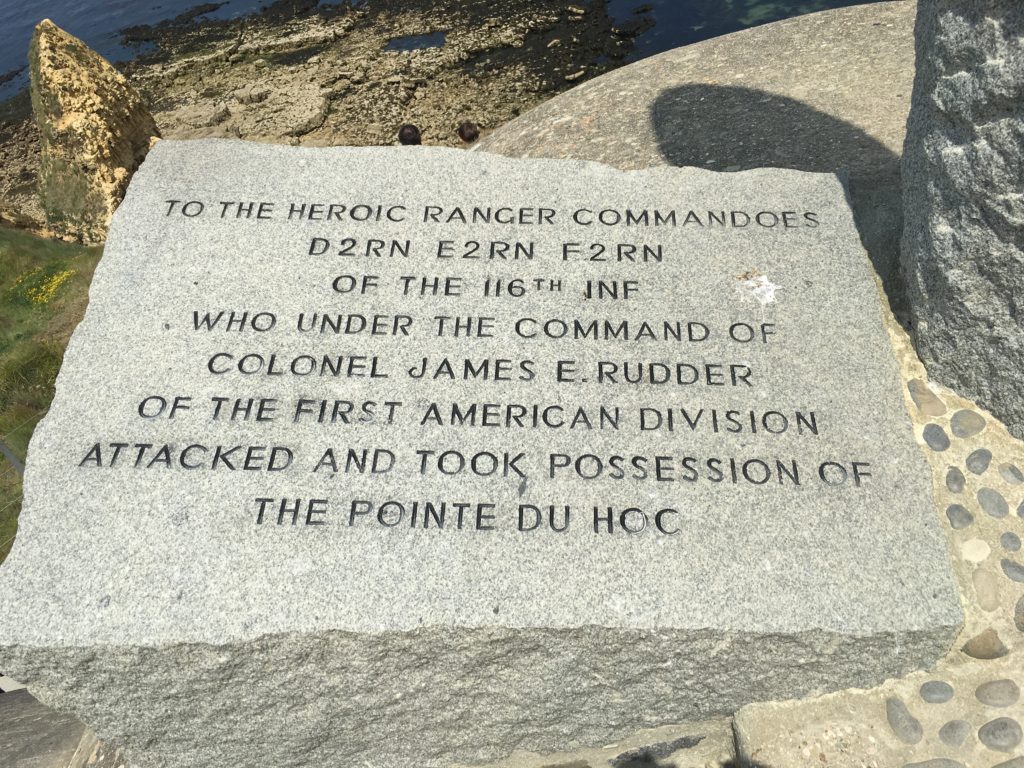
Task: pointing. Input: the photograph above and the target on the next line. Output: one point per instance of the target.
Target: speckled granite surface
(804, 560)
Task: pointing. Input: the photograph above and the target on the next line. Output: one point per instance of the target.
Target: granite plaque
(406, 456)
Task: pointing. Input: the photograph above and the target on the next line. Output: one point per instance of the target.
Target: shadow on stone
(659, 755)
(731, 128)
(652, 756)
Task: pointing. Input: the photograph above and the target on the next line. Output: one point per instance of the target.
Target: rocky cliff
(94, 130)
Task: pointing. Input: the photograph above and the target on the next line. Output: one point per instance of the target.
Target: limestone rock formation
(963, 166)
(95, 130)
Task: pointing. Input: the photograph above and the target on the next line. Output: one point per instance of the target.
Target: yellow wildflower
(44, 292)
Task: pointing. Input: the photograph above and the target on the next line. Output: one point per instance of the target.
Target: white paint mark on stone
(757, 288)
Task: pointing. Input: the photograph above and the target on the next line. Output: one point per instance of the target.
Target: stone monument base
(206, 584)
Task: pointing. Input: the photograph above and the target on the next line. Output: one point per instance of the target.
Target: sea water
(99, 23)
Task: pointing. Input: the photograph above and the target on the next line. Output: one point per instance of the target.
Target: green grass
(44, 287)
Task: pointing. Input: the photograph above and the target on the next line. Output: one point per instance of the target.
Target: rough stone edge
(190, 677)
